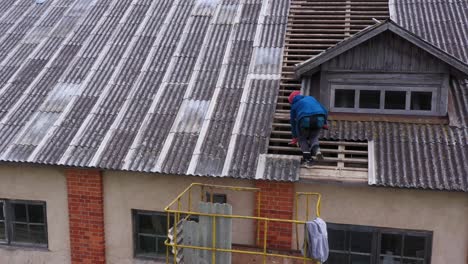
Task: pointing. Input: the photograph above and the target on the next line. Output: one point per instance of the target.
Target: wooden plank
(344, 143)
(339, 3)
(333, 13)
(331, 173)
(342, 150)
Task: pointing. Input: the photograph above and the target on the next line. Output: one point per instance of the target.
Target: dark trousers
(308, 137)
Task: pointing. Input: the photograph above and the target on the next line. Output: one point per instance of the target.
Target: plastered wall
(124, 191)
(444, 213)
(26, 182)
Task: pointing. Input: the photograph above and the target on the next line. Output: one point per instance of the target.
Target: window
(369, 99)
(361, 99)
(150, 232)
(217, 198)
(421, 101)
(372, 245)
(23, 223)
(2, 222)
(382, 93)
(395, 100)
(344, 98)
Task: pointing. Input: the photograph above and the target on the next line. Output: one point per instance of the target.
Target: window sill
(412, 119)
(16, 247)
(153, 258)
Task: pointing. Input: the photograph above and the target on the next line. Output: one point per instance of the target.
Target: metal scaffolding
(176, 210)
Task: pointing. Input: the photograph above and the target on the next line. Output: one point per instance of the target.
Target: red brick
(86, 216)
(277, 200)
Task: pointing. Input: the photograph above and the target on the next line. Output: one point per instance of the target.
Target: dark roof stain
(140, 85)
(190, 87)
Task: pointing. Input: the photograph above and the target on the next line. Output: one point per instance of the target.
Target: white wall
(27, 182)
(444, 213)
(124, 191)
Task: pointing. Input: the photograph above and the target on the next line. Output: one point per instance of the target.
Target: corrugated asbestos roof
(439, 157)
(190, 87)
(172, 86)
(415, 155)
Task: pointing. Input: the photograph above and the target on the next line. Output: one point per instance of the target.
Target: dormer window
(385, 99)
(383, 70)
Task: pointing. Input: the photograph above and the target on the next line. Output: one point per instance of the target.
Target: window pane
(217, 198)
(146, 245)
(390, 260)
(358, 259)
(161, 248)
(152, 224)
(36, 213)
(160, 224)
(391, 244)
(336, 239)
(2, 217)
(2, 231)
(395, 100)
(369, 99)
(2, 222)
(38, 234)
(421, 101)
(414, 246)
(361, 242)
(19, 211)
(20, 233)
(337, 258)
(145, 224)
(344, 98)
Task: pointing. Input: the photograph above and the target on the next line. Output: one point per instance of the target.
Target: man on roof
(308, 117)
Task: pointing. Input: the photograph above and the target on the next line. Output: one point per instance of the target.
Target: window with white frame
(381, 99)
(23, 223)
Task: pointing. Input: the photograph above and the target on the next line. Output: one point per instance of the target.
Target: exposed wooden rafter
(314, 26)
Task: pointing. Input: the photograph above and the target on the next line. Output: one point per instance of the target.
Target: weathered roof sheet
(190, 86)
(172, 86)
(440, 22)
(440, 153)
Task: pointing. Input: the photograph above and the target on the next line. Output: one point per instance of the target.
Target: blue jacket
(303, 106)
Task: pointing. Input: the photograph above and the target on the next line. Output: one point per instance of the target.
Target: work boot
(319, 155)
(306, 156)
(303, 162)
(316, 152)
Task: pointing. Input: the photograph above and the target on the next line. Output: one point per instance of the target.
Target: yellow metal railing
(188, 213)
(307, 195)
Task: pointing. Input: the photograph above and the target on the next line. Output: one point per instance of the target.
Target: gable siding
(387, 52)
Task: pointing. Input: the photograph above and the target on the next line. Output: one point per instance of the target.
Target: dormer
(383, 70)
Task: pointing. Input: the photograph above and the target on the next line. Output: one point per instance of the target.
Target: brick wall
(86, 213)
(277, 201)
